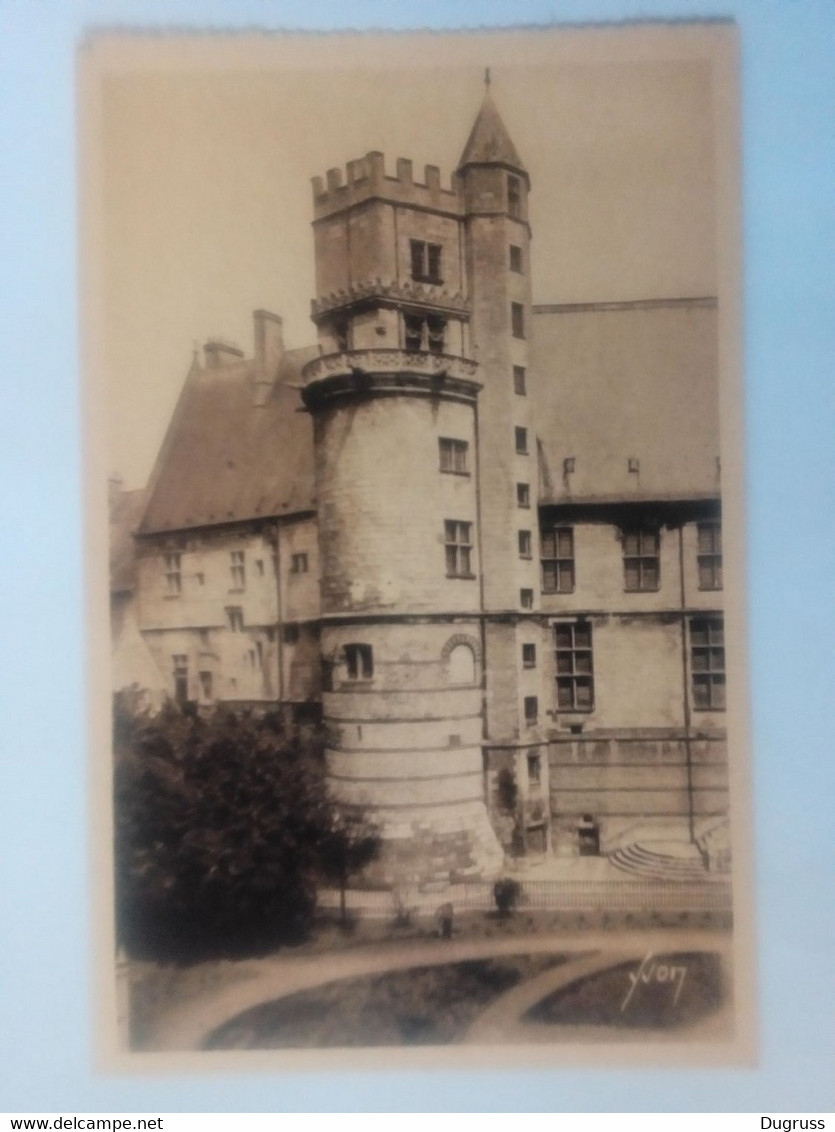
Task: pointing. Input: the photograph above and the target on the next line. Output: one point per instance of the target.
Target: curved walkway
(187, 1024)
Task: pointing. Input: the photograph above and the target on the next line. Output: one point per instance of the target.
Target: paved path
(186, 1024)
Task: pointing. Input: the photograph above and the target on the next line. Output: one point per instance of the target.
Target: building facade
(481, 536)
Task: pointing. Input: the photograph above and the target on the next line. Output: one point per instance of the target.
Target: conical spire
(489, 142)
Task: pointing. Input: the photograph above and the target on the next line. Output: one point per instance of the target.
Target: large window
(707, 663)
(558, 561)
(640, 560)
(453, 455)
(173, 575)
(424, 334)
(359, 662)
(237, 569)
(426, 261)
(458, 548)
(575, 677)
(710, 556)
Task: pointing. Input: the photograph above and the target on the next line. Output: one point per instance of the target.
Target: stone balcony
(381, 372)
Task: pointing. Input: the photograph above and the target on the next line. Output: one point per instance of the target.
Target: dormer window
(426, 261)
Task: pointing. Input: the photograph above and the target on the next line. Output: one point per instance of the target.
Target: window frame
(359, 662)
(523, 496)
(562, 563)
(534, 760)
(713, 675)
(173, 573)
(530, 710)
(521, 440)
(425, 261)
(237, 568)
(525, 598)
(458, 548)
(514, 196)
(576, 676)
(643, 559)
(528, 655)
(709, 560)
(517, 320)
(452, 452)
(299, 562)
(516, 259)
(525, 540)
(520, 381)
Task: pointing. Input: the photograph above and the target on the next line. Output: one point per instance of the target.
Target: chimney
(269, 347)
(219, 353)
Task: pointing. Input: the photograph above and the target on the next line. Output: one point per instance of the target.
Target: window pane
(582, 636)
(649, 542)
(582, 663)
(698, 632)
(549, 544)
(717, 632)
(650, 574)
(565, 696)
(549, 577)
(565, 542)
(434, 257)
(718, 692)
(449, 530)
(464, 559)
(706, 575)
(583, 693)
(717, 660)
(565, 663)
(631, 544)
(564, 636)
(451, 560)
(700, 660)
(566, 577)
(701, 692)
(417, 257)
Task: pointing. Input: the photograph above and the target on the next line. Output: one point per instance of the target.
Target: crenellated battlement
(365, 178)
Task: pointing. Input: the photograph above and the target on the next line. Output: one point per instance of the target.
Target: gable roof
(227, 458)
(489, 142)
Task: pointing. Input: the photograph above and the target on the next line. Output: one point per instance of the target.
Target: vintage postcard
(415, 494)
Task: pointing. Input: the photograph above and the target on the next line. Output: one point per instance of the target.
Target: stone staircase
(666, 861)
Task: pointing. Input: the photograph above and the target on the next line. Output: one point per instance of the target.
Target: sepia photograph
(416, 544)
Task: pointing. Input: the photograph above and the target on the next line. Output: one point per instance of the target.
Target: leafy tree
(223, 826)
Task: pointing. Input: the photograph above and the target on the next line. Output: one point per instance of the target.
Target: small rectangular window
(531, 709)
(520, 383)
(514, 196)
(458, 548)
(641, 560)
(710, 556)
(235, 618)
(453, 455)
(205, 685)
(526, 599)
(515, 258)
(237, 569)
(522, 441)
(173, 575)
(529, 656)
(359, 662)
(298, 564)
(558, 560)
(573, 655)
(523, 495)
(525, 544)
(707, 663)
(517, 320)
(534, 769)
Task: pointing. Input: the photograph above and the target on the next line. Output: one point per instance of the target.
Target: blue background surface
(788, 97)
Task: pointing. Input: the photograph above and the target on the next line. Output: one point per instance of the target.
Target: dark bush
(222, 830)
(506, 894)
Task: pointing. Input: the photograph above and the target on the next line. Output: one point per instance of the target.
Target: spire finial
(487, 78)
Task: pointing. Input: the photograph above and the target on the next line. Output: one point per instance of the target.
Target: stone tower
(421, 309)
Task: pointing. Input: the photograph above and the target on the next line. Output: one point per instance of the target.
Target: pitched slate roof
(227, 458)
(489, 142)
